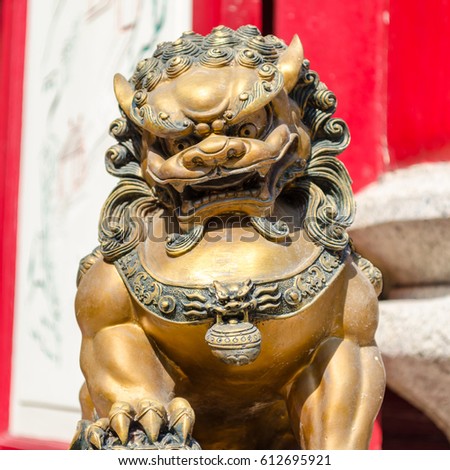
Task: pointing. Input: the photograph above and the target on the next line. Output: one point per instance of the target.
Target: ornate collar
(245, 300)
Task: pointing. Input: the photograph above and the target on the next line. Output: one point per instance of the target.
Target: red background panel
(418, 81)
(346, 43)
(231, 13)
(12, 47)
(12, 51)
(206, 15)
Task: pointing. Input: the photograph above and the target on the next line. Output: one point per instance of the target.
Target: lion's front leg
(128, 384)
(333, 403)
(130, 389)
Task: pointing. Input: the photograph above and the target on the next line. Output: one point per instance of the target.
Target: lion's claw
(96, 432)
(181, 418)
(120, 418)
(148, 425)
(151, 415)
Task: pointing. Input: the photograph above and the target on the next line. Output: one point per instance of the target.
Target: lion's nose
(213, 151)
(212, 144)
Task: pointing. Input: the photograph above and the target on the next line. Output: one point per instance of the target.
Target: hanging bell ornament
(235, 343)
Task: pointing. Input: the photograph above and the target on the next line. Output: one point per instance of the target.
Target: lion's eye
(248, 130)
(182, 144)
(255, 126)
(174, 146)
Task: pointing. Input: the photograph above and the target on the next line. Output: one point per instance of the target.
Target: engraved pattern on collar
(258, 299)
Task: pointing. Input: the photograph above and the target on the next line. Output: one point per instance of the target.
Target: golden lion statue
(225, 289)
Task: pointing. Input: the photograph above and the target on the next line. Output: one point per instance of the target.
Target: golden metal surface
(225, 291)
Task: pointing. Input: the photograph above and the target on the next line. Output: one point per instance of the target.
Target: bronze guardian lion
(225, 289)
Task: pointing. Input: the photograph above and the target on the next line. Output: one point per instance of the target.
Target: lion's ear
(124, 93)
(290, 63)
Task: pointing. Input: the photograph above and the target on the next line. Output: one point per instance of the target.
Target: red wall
(12, 44)
(419, 81)
(346, 44)
(12, 51)
(232, 13)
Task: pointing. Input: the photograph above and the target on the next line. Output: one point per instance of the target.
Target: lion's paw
(147, 426)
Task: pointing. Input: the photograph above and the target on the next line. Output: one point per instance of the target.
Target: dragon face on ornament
(225, 290)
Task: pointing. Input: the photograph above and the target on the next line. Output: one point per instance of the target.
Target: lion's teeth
(179, 186)
(265, 194)
(263, 171)
(190, 205)
(187, 206)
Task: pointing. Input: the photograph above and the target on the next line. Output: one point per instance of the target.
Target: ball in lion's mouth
(235, 343)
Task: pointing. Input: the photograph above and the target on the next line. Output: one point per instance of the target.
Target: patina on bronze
(225, 283)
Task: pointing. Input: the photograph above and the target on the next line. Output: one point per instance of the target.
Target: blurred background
(387, 62)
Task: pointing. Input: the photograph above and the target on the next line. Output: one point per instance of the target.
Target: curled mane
(325, 184)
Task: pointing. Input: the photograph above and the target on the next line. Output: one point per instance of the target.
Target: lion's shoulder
(102, 299)
(360, 315)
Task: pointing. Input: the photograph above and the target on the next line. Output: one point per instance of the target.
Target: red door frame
(13, 15)
(232, 13)
(12, 34)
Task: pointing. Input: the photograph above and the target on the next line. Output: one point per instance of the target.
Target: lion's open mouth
(251, 193)
(221, 190)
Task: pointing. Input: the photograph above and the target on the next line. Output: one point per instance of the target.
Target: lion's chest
(289, 303)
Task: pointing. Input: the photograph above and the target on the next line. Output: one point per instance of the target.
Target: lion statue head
(226, 123)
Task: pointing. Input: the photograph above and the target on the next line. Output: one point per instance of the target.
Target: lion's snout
(212, 152)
